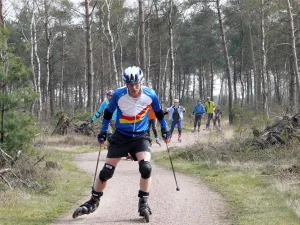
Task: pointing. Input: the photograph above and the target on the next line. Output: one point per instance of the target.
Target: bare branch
(5, 154)
(93, 8)
(40, 159)
(6, 181)
(23, 182)
(3, 171)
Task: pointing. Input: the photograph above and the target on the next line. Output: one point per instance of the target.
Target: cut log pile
(84, 129)
(65, 126)
(282, 132)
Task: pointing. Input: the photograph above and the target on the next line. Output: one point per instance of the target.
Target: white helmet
(133, 75)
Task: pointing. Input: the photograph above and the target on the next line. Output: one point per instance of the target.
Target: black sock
(142, 194)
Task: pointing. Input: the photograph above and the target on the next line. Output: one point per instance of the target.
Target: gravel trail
(194, 204)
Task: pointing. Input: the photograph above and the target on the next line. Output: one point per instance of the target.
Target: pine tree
(16, 95)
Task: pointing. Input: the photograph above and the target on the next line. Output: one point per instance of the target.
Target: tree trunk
(234, 81)
(255, 75)
(165, 78)
(38, 63)
(194, 87)
(248, 86)
(142, 49)
(89, 57)
(172, 62)
(230, 113)
(264, 62)
(102, 77)
(183, 87)
(212, 81)
(277, 86)
(61, 86)
(158, 63)
(241, 79)
(188, 88)
(294, 51)
(51, 87)
(4, 62)
(111, 41)
(1, 15)
(81, 97)
(292, 87)
(32, 62)
(149, 59)
(48, 43)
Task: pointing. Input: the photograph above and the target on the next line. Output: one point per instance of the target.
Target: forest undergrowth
(49, 183)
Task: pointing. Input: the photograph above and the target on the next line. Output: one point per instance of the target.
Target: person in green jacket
(209, 110)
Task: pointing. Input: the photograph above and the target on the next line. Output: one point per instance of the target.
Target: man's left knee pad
(145, 169)
(107, 172)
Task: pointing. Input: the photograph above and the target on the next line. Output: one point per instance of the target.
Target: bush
(20, 131)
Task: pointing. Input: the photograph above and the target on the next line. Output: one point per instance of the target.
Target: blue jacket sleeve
(108, 114)
(100, 110)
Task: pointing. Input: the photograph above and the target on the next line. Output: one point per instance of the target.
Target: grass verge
(56, 195)
(255, 184)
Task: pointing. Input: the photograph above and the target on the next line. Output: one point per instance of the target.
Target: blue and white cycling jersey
(132, 113)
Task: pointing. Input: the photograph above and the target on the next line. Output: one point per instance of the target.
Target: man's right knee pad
(107, 172)
(145, 169)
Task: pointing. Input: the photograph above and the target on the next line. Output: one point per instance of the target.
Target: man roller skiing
(132, 103)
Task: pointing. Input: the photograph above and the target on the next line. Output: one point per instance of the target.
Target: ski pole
(168, 148)
(97, 166)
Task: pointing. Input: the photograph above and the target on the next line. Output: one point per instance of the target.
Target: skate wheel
(146, 215)
(77, 212)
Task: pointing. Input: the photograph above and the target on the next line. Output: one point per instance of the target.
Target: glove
(166, 134)
(91, 121)
(102, 137)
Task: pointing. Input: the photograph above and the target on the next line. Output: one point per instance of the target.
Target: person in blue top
(103, 106)
(132, 103)
(198, 111)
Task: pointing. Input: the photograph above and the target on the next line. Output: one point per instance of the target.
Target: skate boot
(144, 209)
(89, 206)
(158, 142)
(179, 137)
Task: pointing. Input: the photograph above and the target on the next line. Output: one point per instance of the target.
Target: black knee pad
(107, 172)
(145, 169)
(179, 130)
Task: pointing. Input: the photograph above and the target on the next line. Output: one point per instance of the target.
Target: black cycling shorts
(120, 145)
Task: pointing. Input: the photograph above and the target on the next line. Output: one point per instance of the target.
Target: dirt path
(194, 204)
